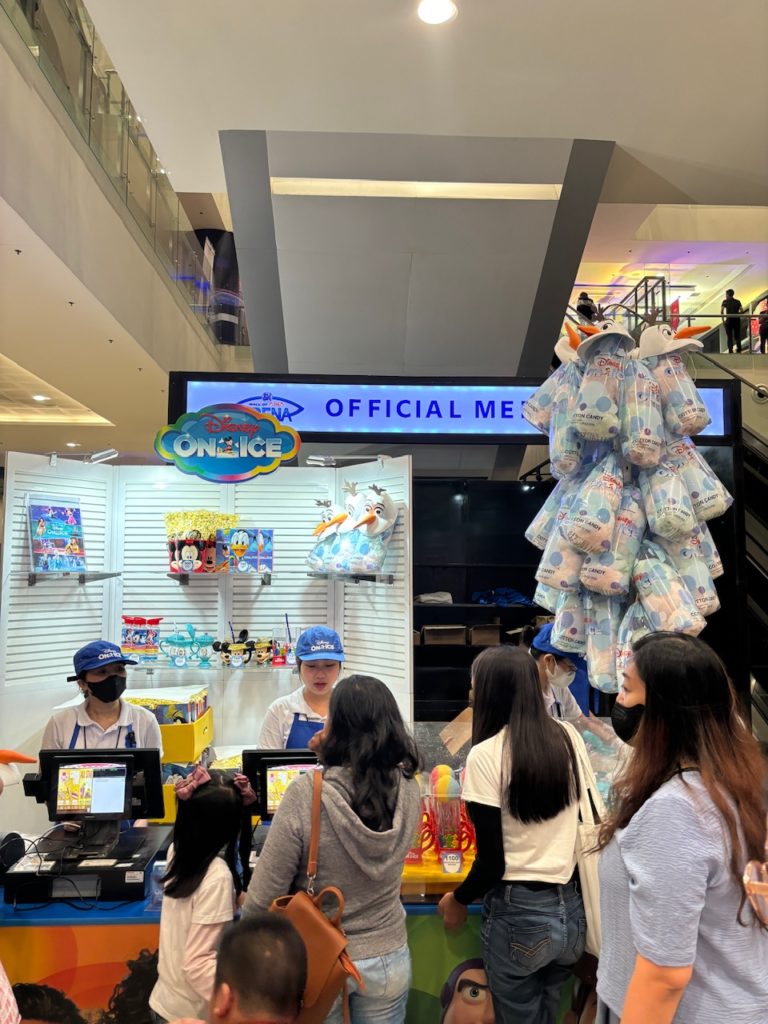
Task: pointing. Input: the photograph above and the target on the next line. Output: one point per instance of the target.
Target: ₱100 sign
(227, 443)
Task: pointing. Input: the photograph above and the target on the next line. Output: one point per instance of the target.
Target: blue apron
(302, 732)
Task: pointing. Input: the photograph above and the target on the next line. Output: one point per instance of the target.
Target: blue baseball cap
(319, 643)
(95, 655)
(543, 642)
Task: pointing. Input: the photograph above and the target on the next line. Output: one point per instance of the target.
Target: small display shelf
(82, 577)
(183, 578)
(354, 577)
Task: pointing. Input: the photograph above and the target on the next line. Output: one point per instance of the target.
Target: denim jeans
(387, 981)
(531, 939)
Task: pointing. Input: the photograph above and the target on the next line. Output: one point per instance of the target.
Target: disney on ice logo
(283, 409)
(227, 443)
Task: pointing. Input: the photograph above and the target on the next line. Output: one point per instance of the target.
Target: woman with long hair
(521, 786)
(369, 815)
(200, 888)
(679, 941)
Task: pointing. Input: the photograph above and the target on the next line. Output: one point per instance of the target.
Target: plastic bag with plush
(634, 625)
(591, 519)
(568, 631)
(602, 619)
(682, 405)
(667, 502)
(596, 412)
(538, 408)
(543, 522)
(642, 423)
(610, 572)
(692, 569)
(709, 498)
(560, 563)
(665, 598)
(566, 447)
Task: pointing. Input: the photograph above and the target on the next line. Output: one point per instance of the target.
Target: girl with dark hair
(680, 943)
(521, 786)
(200, 888)
(370, 810)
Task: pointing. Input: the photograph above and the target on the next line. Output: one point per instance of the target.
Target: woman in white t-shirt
(200, 890)
(521, 788)
(294, 722)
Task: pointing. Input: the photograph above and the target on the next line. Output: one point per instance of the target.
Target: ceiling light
(40, 398)
(437, 12)
(73, 444)
(376, 189)
(104, 456)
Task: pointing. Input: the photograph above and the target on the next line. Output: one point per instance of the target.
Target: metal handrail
(760, 389)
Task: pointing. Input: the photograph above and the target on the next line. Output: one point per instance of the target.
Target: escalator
(756, 522)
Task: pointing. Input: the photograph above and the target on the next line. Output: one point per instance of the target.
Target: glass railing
(60, 36)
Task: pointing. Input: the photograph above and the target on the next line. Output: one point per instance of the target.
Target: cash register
(93, 796)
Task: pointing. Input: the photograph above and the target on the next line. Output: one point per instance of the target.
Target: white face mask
(561, 677)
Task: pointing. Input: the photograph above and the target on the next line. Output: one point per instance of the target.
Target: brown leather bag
(317, 919)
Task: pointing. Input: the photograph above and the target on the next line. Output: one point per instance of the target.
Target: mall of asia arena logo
(227, 443)
(283, 409)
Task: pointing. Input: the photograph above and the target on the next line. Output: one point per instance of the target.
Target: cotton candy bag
(693, 571)
(602, 617)
(634, 625)
(568, 631)
(709, 551)
(566, 447)
(665, 598)
(667, 503)
(609, 572)
(590, 522)
(684, 411)
(596, 411)
(538, 408)
(546, 597)
(642, 423)
(543, 522)
(560, 563)
(709, 498)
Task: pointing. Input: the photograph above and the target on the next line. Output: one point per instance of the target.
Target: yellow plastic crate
(184, 742)
(169, 805)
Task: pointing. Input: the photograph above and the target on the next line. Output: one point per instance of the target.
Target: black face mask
(626, 721)
(109, 689)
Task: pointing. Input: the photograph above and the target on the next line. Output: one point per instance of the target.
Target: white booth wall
(122, 511)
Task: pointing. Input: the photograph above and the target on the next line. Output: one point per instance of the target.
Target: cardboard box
(444, 634)
(485, 635)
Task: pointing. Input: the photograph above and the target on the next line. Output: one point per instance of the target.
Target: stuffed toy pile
(625, 545)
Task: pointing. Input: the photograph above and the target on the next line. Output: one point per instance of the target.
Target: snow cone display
(624, 539)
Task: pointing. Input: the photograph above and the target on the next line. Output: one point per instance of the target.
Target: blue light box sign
(421, 411)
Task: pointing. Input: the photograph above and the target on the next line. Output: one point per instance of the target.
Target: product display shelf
(33, 578)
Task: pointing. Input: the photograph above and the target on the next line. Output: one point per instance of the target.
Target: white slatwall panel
(144, 495)
(376, 618)
(284, 502)
(41, 626)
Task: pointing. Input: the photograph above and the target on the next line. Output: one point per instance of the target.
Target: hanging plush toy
(596, 413)
(538, 408)
(662, 348)
(331, 518)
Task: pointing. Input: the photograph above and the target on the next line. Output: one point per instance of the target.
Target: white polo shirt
(562, 704)
(279, 719)
(89, 735)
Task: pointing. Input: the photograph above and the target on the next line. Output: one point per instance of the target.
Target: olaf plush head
(567, 347)
(9, 773)
(352, 507)
(377, 512)
(661, 340)
(605, 329)
(331, 516)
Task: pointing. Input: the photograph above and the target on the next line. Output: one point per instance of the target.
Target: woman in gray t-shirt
(680, 943)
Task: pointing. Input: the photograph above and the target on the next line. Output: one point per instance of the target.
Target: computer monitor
(142, 767)
(270, 772)
(99, 791)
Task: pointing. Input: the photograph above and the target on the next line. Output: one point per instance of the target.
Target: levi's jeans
(387, 981)
(531, 939)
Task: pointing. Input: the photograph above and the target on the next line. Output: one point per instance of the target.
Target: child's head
(209, 812)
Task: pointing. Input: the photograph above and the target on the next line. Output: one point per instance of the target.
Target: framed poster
(56, 542)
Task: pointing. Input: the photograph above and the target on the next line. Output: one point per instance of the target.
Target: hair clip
(197, 777)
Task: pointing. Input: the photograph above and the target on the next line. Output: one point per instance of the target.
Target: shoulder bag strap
(314, 836)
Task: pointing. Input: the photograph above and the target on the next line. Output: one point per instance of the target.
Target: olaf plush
(331, 519)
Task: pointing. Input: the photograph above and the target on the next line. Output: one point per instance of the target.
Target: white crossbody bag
(591, 814)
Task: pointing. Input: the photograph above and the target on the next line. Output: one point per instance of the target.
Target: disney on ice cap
(319, 643)
(543, 642)
(96, 654)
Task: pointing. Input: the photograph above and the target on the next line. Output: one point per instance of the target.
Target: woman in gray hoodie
(370, 810)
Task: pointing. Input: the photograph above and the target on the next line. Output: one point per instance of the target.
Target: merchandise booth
(208, 584)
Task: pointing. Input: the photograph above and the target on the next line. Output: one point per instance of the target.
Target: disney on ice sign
(227, 443)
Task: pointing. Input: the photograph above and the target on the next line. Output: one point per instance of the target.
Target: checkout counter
(100, 952)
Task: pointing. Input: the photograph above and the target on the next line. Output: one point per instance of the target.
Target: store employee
(292, 722)
(103, 721)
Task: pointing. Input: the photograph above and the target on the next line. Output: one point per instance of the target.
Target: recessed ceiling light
(40, 398)
(73, 444)
(437, 12)
(386, 189)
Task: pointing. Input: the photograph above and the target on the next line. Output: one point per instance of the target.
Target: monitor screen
(92, 790)
(270, 773)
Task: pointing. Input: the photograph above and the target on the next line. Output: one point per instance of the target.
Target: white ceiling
(681, 87)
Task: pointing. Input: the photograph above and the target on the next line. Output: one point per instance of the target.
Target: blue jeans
(531, 939)
(387, 981)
